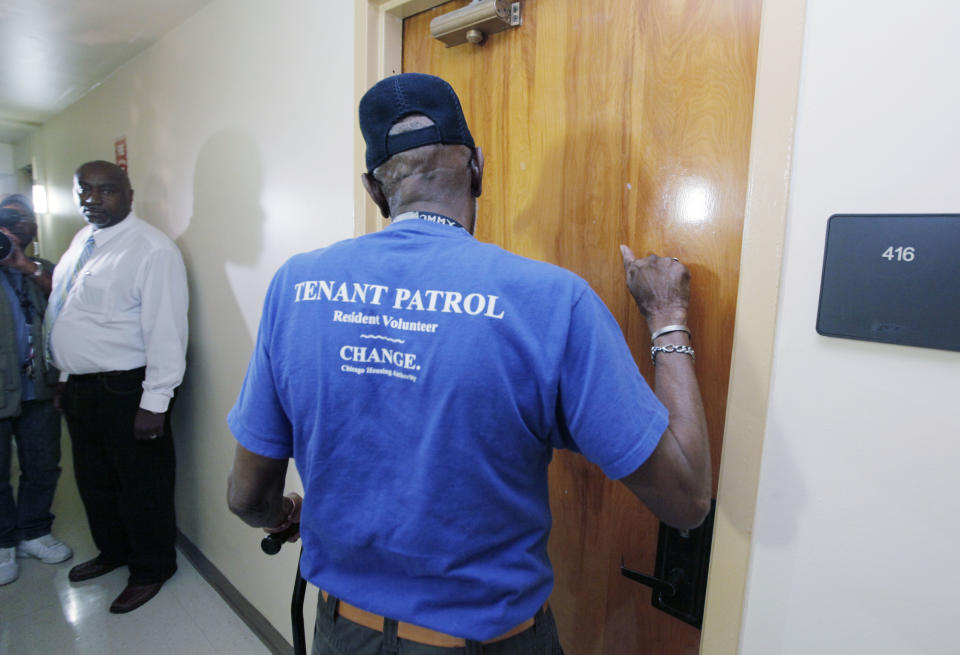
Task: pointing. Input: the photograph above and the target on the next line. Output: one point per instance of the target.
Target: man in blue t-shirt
(421, 379)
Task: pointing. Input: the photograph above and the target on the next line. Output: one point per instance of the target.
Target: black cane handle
(272, 543)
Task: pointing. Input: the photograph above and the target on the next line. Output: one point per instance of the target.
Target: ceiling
(52, 52)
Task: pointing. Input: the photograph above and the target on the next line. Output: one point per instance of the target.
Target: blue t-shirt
(420, 379)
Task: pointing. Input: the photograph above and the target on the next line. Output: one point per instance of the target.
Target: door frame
(378, 54)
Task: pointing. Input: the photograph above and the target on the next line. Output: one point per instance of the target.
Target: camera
(8, 218)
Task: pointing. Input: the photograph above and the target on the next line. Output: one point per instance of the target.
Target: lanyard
(428, 216)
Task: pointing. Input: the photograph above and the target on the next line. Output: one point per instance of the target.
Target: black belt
(106, 374)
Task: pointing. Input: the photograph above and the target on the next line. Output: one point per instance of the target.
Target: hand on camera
(16, 258)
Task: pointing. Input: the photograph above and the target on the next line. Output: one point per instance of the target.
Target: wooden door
(607, 122)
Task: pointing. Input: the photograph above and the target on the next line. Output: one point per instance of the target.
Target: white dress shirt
(127, 308)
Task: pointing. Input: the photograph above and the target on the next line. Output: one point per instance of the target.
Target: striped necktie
(60, 293)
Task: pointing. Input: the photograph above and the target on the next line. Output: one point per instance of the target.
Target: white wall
(23, 151)
(8, 180)
(239, 126)
(856, 531)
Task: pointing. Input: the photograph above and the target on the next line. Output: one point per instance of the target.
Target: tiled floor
(43, 613)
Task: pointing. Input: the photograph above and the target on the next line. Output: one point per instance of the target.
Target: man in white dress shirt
(117, 326)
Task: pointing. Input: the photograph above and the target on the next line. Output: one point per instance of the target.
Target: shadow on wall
(153, 205)
(226, 228)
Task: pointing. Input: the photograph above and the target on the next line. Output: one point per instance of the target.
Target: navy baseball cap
(396, 97)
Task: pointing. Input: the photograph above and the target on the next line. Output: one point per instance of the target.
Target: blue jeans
(334, 635)
(37, 431)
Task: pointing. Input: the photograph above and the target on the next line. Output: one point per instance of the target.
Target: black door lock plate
(679, 580)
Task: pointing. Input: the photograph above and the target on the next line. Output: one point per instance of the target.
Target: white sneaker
(9, 569)
(48, 549)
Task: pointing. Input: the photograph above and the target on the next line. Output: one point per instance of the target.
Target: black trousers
(127, 486)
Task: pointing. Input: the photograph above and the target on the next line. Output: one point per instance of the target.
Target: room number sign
(893, 278)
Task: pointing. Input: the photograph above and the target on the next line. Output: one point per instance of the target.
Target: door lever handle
(679, 577)
(666, 587)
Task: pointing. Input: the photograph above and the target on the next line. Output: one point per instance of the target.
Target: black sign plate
(893, 278)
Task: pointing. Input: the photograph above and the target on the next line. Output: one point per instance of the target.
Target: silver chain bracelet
(670, 348)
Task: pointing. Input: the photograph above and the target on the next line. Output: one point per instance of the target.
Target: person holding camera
(26, 401)
(117, 329)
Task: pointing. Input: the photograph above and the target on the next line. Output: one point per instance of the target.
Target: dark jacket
(44, 376)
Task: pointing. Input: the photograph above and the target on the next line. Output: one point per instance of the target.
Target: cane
(271, 546)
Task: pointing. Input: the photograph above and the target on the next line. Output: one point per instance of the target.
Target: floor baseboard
(257, 622)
